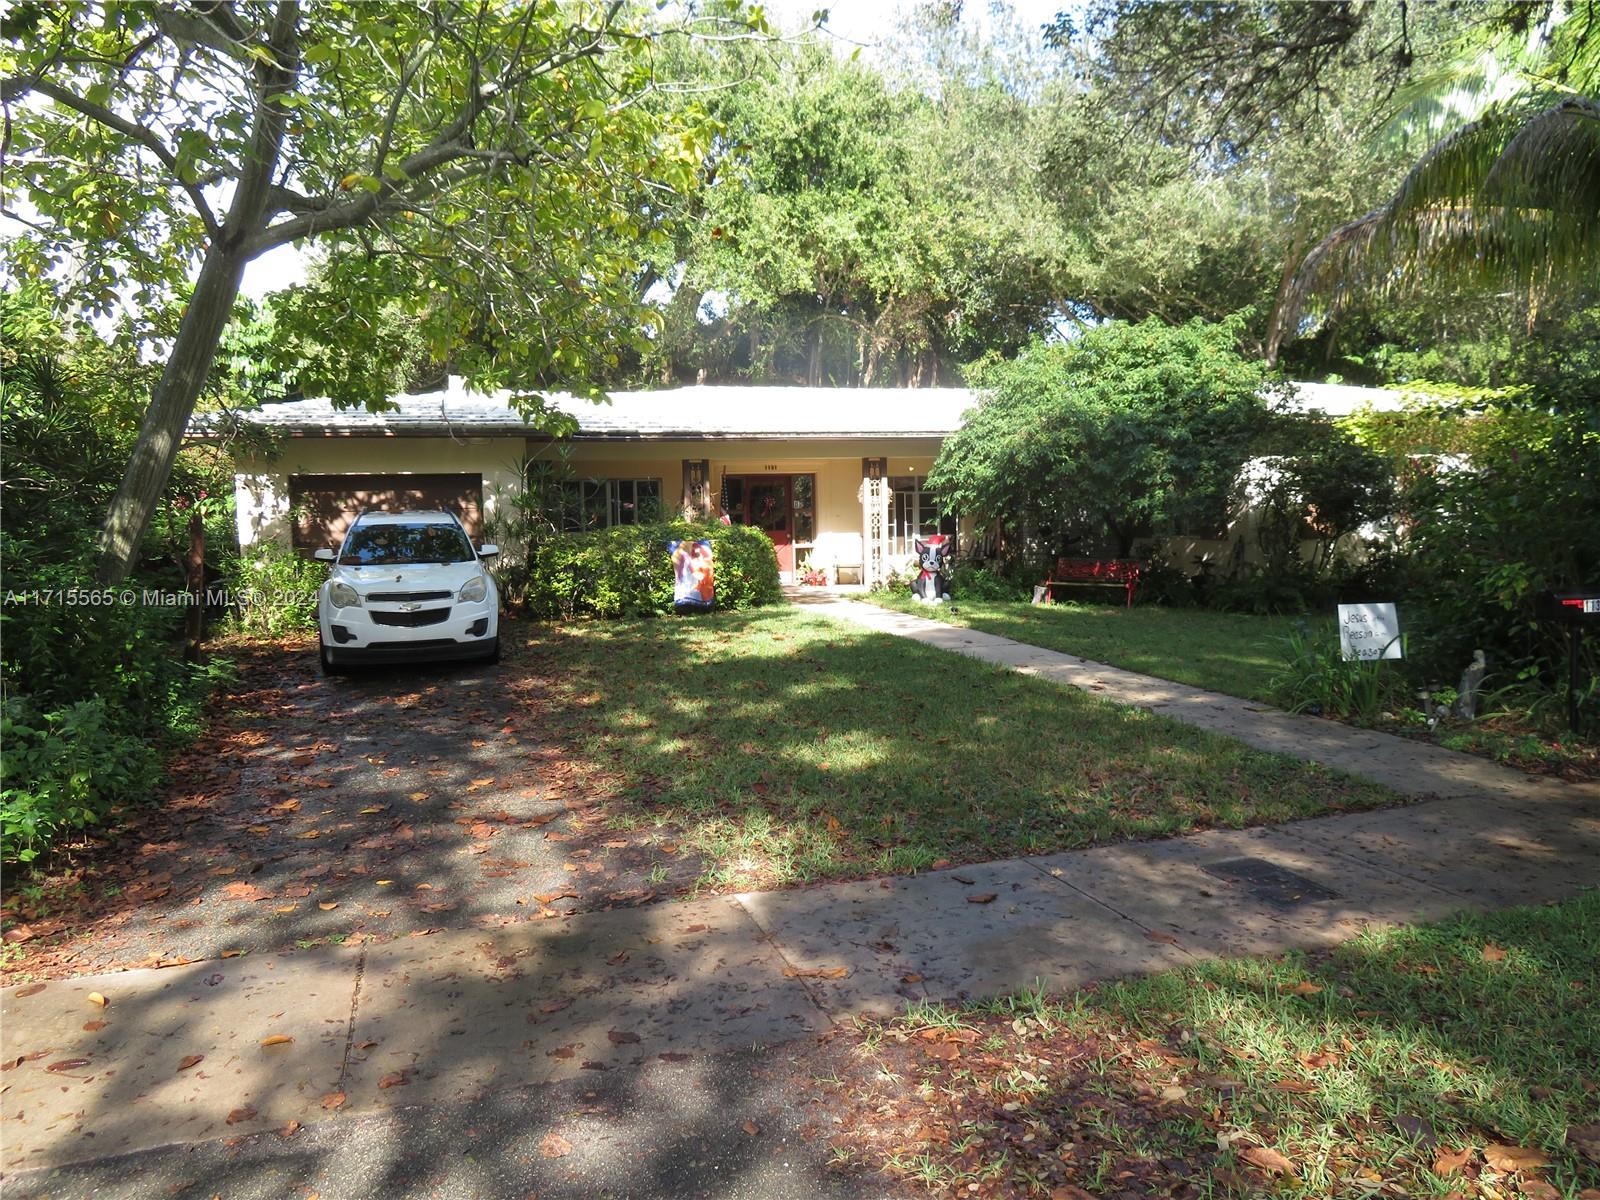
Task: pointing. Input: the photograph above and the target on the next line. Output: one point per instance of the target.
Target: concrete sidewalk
(454, 1018)
(1409, 767)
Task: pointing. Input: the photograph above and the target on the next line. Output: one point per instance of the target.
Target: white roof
(677, 413)
(1343, 399)
(703, 412)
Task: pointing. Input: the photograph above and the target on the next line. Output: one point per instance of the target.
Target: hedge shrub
(96, 695)
(627, 571)
(276, 587)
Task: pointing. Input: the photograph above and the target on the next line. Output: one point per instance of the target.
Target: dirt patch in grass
(1456, 1060)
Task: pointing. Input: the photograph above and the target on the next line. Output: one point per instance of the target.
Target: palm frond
(1511, 199)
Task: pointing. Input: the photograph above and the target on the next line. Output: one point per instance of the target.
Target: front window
(589, 504)
(913, 514)
(404, 545)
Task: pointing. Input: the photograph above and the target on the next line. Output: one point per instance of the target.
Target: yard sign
(1369, 631)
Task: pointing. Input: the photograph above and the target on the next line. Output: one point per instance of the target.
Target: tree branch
(138, 133)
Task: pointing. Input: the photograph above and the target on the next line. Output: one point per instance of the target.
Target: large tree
(864, 223)
(486, 164)
(1122, 431)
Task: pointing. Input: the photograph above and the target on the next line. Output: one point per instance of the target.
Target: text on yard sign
(1369, 631)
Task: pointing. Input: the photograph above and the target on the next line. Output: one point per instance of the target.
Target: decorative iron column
(874, 519)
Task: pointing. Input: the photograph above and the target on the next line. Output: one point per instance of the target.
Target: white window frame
(605, 496)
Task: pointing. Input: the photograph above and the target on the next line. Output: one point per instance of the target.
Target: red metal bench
(1091, 572)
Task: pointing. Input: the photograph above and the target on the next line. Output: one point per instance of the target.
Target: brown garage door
(324, 505)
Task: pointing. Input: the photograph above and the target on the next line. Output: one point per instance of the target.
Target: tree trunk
(194, 581)
(814, 361)
(171, 406)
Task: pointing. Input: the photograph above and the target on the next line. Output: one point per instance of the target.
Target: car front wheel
(325, 659)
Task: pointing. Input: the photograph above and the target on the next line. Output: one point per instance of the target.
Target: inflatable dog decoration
(933, 584)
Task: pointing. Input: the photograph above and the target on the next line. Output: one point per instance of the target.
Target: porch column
(874, 519)
(696, 487)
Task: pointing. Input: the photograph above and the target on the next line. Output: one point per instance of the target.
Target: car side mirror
(323, 555)
(488, 550)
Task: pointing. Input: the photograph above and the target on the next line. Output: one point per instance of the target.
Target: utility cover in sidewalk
(1269, 882)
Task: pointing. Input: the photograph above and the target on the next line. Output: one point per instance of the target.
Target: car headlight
(342, 595)
(473, 590)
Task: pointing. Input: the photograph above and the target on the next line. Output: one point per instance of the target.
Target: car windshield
(394, 545)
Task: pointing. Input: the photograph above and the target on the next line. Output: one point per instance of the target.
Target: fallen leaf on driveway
(551, 1006)
(1155, 935)
(617, 959)
(97, 998)
(944, 1051)
(289, 1129)
(68, 1064)
(815, 972)
(621, 1037)
(911, 978)
(396, 1079)
(333, 1100)
(555, 1146)
(328, 905)
(276, 1039)
(1267, 1159)
(1493, 953)
(1507, 1159)
(93, 1026)
(751, 1127)
(1173, 1093)
(191, 1060)
(241, 1114)
(373, 809)
(984, 898)
(33, 989)
(1448, 1162)
(419, 797)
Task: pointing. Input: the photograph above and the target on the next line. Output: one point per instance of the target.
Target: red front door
(766, 506)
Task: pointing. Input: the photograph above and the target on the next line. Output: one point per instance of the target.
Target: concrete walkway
(1409, 767)
(455, 1017)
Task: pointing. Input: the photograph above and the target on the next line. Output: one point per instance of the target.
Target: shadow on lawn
(817, 750)
(1416, 1045)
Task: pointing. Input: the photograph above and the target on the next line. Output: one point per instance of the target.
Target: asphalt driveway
(390, 802)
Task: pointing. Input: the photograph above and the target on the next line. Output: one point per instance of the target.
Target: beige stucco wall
(836, 463)
(261, 488)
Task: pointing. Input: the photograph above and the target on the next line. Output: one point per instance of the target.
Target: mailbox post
(1577, 610)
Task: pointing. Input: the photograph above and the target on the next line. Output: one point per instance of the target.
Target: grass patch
(784, 747)
(1234, 653)
(1459, 1059)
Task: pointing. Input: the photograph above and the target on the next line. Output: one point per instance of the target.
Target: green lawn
(1460, 1059)
(783, 747)
(1222, 652)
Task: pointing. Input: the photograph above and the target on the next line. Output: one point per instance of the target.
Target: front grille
(419, 644)
(411, 620)
(408, 595)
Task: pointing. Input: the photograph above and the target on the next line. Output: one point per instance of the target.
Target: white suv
(407, 587)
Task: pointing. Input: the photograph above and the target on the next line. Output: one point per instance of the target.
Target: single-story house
(833, 475)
